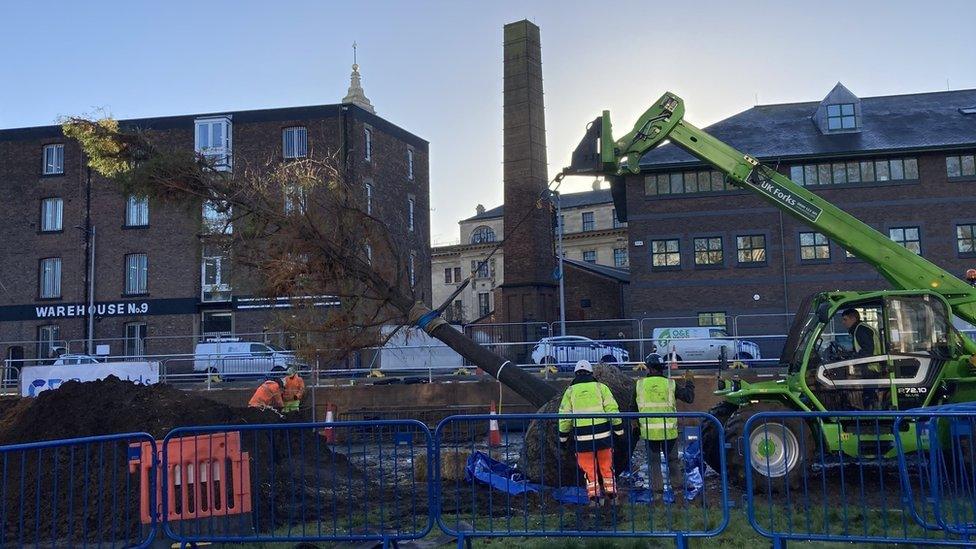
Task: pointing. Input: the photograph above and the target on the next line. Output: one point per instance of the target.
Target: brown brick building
(902, 164)
(158, 283)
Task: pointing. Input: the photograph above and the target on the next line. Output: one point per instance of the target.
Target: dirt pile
(84, 492)
(112, 406)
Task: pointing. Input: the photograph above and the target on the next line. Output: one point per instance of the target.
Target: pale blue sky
(434, 68)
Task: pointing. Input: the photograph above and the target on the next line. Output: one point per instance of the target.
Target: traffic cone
(494, 435)
(674, 358)
(329, 433)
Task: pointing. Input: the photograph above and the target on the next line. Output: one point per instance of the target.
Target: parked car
(241, 357)
(697, 344)
(73, 360)
(566, 350)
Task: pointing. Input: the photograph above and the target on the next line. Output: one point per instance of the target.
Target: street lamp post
(559, 254)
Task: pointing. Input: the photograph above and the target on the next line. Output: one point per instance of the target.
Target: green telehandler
(920, 359)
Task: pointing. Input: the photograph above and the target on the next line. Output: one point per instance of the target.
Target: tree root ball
(544, 460)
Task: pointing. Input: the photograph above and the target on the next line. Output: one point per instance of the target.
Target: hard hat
(583, 365)
(292, 371)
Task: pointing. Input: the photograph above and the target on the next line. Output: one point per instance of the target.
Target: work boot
(612, 500)
(594, 502)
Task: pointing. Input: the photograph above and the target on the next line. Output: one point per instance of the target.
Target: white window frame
(369, 199)
(221, 154)
(586, 253)
(411, 205)
(49, 278)
(220, 289)
(52, 218)
(413, 269)
(136, 211)
(367, 144)
(299, 142)
(136, 274)
(410, 164)
(52, 159)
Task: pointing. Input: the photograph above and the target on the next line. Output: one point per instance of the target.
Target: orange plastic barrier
(208, 476)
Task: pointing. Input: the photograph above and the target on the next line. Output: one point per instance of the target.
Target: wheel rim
(774, 450)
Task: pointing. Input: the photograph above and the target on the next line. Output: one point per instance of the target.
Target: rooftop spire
(356, 95)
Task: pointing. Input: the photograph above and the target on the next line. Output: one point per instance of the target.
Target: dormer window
(839, 112)
(841, 117)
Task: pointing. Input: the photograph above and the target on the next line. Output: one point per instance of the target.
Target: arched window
(482, 234)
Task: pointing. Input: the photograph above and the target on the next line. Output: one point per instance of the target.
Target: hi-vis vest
(874, 366)
(655, 394)
(265, 394)
(588, 398)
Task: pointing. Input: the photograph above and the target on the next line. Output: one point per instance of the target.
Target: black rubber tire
(712, 447)
(548, 360)
(743, 356)
(277, 369)
(761, 483)
(609, 359)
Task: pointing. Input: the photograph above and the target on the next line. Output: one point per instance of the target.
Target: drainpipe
(89, 263)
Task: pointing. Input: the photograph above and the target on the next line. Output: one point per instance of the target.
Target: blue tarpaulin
(505, 478)
(498, 475)
(694, 465)
(575, 495)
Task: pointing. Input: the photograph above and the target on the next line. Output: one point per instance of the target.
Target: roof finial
(356, 95)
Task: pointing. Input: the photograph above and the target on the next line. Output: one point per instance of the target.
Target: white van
(700, 344)
(230, 356)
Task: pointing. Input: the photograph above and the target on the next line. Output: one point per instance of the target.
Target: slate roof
(622, 275)
(161, 123)
(890, 123)
(568, 200)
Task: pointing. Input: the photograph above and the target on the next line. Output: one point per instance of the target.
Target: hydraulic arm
(599, 153)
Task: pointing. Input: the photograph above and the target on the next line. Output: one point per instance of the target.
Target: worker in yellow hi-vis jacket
(593, 436)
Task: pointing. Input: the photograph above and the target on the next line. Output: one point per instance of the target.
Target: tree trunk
(544, 460)
(526, 385)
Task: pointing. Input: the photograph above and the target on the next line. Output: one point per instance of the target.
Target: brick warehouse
(156, 279)
(902, 164)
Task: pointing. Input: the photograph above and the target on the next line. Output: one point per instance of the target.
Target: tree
(300, 231)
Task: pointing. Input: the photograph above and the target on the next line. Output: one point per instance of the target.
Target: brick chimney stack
(529, 291)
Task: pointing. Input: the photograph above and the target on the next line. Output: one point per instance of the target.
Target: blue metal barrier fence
(354, 480)
(862, 477)
(525, 483)
(869, 477)
(948, 482)
(66, 493)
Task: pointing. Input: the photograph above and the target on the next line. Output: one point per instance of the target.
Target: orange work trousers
(597, 465)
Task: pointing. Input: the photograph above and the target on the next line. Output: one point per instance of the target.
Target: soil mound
(111, 406)
(60, 487)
